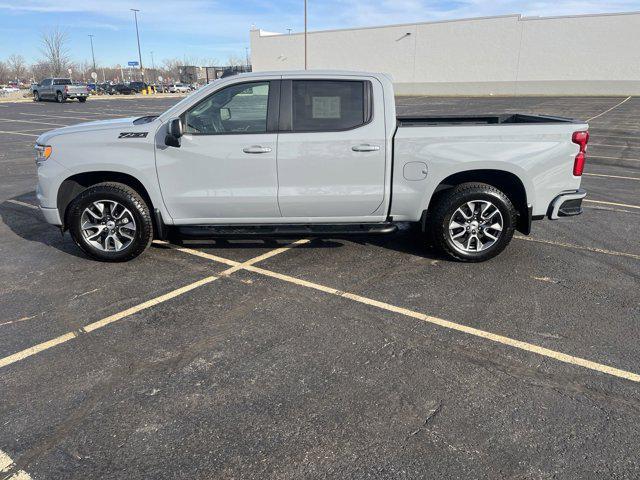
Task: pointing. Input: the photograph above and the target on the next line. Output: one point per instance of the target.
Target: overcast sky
(209, 29)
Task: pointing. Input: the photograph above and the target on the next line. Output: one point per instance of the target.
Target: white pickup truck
(309, 153)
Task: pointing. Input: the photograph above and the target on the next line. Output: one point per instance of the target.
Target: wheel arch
(71, 187)
(503, 180)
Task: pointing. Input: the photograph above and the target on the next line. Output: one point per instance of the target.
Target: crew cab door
(331, 150)
(225, 168)
(45, 88)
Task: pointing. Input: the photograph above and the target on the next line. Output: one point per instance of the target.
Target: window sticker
(325, 107)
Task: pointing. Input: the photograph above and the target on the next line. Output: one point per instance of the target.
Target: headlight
(42, 152)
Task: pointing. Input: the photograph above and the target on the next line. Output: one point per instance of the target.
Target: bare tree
(4, 72)
(17, 66)
(235, 61)
(54, 50)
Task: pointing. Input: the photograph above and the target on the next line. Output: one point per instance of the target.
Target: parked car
(137, 87)
(328, 156)
(60, 89)
(120, 89)
(179, 88)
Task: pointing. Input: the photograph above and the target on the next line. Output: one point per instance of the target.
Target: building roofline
(517, 16)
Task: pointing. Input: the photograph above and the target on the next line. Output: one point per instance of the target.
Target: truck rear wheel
(110, 222)
(60, 97)
(472, 222)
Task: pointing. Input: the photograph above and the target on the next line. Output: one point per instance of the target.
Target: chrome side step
(307, 230)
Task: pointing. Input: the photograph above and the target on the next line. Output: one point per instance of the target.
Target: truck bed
(490, 119)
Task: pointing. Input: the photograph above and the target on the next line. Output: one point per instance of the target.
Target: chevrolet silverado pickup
(60, 90)
(310, 153)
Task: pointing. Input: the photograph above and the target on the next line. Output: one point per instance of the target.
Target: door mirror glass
(175, 127)
(174, 132)
(225, 114)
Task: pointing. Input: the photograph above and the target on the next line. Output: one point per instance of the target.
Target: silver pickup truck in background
(310, 153)
(60, 90)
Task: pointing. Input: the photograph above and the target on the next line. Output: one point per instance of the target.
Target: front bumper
(567, 204)
(51, 215)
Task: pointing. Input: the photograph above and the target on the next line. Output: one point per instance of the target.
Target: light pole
(305, 34)
(135, 16)
(246, 54)
(93, 56)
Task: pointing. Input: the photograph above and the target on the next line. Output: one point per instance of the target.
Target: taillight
(581, 139)
(66, 89)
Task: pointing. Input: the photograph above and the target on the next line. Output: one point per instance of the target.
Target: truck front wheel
(36, 96)
(472, 222)
(110, 222)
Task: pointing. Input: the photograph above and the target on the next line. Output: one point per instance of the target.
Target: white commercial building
(506, 55)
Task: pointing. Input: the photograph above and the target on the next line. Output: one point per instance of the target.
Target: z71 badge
(133, 135)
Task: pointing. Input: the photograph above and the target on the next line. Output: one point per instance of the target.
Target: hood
(114, 124)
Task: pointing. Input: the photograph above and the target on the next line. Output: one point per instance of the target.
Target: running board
(310, 230)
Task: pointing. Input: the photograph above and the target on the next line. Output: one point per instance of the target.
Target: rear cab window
(62, 81)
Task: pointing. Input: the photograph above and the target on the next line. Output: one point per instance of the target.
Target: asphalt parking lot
(370, 358)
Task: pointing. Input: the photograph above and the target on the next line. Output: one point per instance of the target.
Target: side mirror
(225, 114)
(174, 132)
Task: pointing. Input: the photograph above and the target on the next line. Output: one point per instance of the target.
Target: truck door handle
(365, 148)
(256, 149)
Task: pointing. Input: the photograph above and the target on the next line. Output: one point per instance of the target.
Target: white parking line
(612, 108)
(556, 355)
(28, 352)
(9, 471)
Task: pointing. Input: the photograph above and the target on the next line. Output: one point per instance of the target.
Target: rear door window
(326, 105)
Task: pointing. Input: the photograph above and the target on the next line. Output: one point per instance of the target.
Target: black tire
(60, 97)
(441, 215)
(82, 99)
(36, 96)
(127, 197)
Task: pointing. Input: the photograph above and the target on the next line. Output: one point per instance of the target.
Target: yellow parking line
(23, 204)
(614, 146)
(7, 466)
(53, 115)
(610, 109)
(20, 133)
(610, 176)
(612, 203)
(529, 347)
(580, 247)
(13, 120)
(16, 357)
(615, 158)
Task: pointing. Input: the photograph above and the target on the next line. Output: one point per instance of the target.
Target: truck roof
(312, 73)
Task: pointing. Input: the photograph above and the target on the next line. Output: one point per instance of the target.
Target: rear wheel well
(72, 186)
(507, 182)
